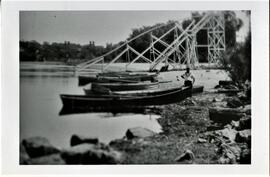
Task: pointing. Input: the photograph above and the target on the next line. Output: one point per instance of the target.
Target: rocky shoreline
(208, 128)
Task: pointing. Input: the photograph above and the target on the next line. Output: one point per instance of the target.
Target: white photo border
(10, 88)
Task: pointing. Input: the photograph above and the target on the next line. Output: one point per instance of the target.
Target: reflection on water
(40, 105)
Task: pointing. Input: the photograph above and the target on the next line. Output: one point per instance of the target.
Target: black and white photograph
(129, 87)
(135, 88)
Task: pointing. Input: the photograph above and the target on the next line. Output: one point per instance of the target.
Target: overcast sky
(99, 26)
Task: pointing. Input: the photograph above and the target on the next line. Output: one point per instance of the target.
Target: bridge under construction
(181, 51)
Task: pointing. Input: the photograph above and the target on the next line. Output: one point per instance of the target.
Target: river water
(40, 105)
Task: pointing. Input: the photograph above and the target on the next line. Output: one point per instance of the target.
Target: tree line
(34, 51)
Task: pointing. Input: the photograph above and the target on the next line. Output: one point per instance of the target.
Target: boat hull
(143, 92)
(103, 78)
(147, 92)
(123, 102)
(84, 80)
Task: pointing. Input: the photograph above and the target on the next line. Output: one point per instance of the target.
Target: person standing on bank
(189, 78)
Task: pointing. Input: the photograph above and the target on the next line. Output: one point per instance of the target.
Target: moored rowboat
(125, 86)
(84, 80)
(111, 103)
(126, 74)
(106, 93)
(124, 78)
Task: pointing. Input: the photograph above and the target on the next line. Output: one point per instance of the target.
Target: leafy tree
(237, 60)
(29, 50)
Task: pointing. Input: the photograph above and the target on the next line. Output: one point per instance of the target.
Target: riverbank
(191, 135)
(208, 128)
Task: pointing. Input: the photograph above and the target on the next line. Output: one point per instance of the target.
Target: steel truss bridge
(181, 51)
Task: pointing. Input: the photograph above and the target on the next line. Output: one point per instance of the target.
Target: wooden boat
(125, 86)
(104, 91)
(84, 80)
(108, 93)
(126, 74)
(113, 77)
(114, 103)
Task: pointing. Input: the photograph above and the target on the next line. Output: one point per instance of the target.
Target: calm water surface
(40, 105)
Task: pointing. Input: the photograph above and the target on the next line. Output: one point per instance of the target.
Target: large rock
(245, 123)
(245, 157)
(186, 156)
(225, 82)
(78, 139)
(225, 115)
(230, 153)
(53, 159)
(90, 154)
(24, 157)
(38, 146)
(227, 133)
(138, 132)
(234, 102)
(243, 136)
